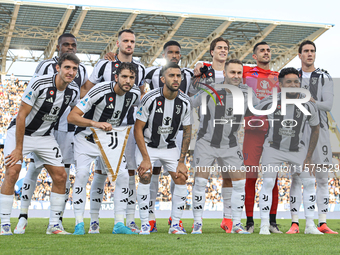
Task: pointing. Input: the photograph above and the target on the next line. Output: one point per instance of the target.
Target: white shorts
(65, 141)
(130, 151)
(204, 156)
(179, 139)
(168, 157)
(273, 159)
(45, 148)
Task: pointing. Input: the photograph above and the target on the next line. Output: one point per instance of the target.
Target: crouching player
(45, 99)
(283, 144)
(104, 106)
(219, 141)
(160, 115)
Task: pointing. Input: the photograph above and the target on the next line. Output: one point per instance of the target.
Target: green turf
(212, 241)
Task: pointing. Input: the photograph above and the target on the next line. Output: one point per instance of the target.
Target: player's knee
(227, 182)
(59, 178)
(145, 178)
(181, 180)
(12, 174)
(82, 175)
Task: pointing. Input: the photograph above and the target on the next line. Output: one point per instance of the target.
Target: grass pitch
(213, 240)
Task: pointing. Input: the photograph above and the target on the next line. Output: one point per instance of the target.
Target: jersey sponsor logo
(229, 111)
(110, 106)
(167, 120)
(115, 122)
(29, 95)
(159, 110)
(116, 115)
(54, 117)
(265, 84)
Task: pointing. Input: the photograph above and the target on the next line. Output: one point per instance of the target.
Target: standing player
(105, 71)
(283, 143)
(219, 49)
(220, 142)
(104, 106)
(63, 131)
(45, 99)
(320, 85)
(161, 113)
(172, 53)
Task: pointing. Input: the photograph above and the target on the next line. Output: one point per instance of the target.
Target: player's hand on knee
(307, 166)
(182, 169)
(144, 166)
(13, 158)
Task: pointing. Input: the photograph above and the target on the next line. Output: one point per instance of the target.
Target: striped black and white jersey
(105, 70)
(153, 78)
(286, 131)
(209, 76)
(163, 117)
(102, 104)
(219, 126)
(48, 104)
(49, 67)
(320, 85)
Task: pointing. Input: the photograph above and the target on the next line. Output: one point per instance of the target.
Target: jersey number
(57, 155)
(325, 150)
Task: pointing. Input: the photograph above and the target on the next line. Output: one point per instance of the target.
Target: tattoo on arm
(313, 140)
(186, 142)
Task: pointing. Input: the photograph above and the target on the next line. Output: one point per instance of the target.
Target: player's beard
(127, 53)
(171, 88)
(122, 87)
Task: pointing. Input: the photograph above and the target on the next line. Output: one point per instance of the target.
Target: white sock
(309, 198)
(96, 195)
(322, 198)
(6, 202)
(28, 186)
(226, 195)
(295, 197)
(79, 194)
(178, 203)
(57, 202)
(172, 187)
(265, 200)
(121, 195)
(143, 197)
(68, 185)
(198, 198)
(131, 206)
(153, 195)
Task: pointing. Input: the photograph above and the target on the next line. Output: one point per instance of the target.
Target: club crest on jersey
(128, 101)
(314, 80)
(265, 84)
(178, 109)
(77, 74)
(29, 95)
(159, 103)
(67, 99)
(298, 113)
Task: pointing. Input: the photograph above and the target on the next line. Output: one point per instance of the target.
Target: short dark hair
(304, 43)
(233, 61)
(64, 36)
(287, 70)
(125, 31)
(260, 43)
(215, 41)
(170, 65)
(68, 56)
(171, 43)
(126, 65)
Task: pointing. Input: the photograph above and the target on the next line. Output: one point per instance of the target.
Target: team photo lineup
(131, 120)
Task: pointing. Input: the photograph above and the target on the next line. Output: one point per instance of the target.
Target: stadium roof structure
(35, 26)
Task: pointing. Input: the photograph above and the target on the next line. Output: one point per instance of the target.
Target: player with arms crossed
(220, 142)
(104, 106)
(63, 132)
(284, 144)
(320, 85)
(171, 53)
(161, 113)
(105, 70)
(45, 99)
